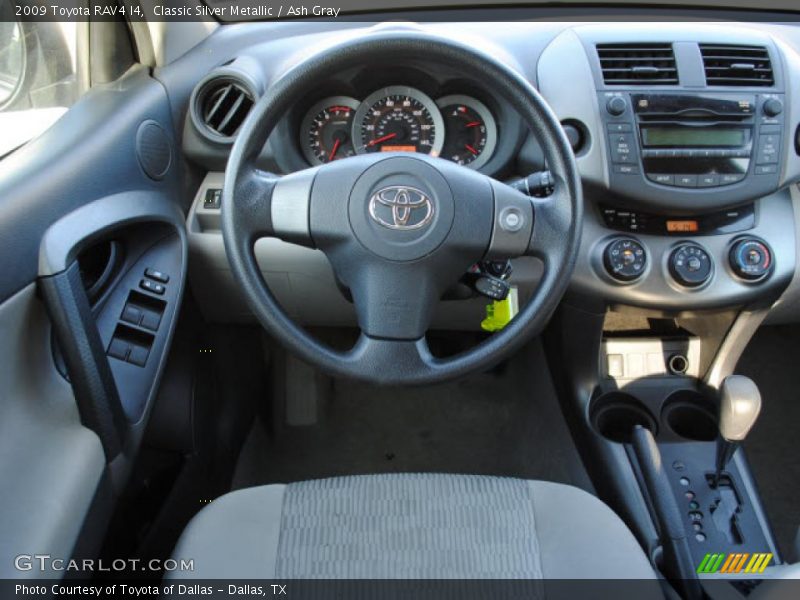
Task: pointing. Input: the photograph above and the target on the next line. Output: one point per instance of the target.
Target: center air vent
(221, 106)
(638, 64)
(736, 65)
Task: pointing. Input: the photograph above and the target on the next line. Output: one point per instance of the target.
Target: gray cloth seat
(420, 526)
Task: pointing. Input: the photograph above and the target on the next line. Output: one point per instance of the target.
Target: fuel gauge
(470, 135)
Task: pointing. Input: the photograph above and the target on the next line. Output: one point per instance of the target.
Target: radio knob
(751, 259)
(616, 106)
(772, 107)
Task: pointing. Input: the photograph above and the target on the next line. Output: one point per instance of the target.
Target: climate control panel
(688, 264)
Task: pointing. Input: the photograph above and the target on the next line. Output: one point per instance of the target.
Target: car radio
(693, 141)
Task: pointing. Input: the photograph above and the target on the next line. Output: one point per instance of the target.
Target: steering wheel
(399, 229)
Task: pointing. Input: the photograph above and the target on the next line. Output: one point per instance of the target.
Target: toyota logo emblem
(401, 207)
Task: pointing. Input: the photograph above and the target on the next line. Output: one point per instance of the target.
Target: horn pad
(401, 209)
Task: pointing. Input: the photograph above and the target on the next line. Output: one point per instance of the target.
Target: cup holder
(690, 415)
(614, 415)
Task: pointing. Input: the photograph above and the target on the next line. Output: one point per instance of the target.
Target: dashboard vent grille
(737, 65)
(223, 106)
(638, 64)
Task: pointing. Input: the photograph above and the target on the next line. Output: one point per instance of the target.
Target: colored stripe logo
(735, 563)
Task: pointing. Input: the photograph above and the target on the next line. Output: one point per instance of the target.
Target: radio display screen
(689, 136)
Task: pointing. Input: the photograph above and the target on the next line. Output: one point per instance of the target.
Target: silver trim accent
(403, 201)
(290, 207)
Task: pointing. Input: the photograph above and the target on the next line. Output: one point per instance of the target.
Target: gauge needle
(471, 149)
(473, 124)
(382, 139)
(336, 145)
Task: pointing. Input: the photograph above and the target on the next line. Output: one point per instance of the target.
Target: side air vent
(221, 106)
(638, 64)
(737, 65)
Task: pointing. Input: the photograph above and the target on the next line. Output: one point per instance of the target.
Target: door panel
(50, 465)
(107, 171)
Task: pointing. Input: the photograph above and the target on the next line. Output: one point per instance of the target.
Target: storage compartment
(690, 415)
(615, 414)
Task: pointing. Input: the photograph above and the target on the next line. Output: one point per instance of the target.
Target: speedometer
(398, 119)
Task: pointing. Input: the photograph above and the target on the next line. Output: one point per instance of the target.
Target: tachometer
(326, 131)
(470, 131)
(398, 119)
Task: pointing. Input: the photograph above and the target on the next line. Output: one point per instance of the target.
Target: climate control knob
(751, 259)
(625, 259)
(690, 265)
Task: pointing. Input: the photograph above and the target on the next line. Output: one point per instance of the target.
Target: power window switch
(152, 286)
(132, 314)
(138, 355)
(119, 349)
(151, 320)
(156, 275)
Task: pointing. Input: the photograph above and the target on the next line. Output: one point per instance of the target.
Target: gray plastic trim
(51, 464)
(291, 203)
(566, 82)
(64, 239)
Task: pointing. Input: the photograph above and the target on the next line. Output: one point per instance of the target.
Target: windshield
(244, 10)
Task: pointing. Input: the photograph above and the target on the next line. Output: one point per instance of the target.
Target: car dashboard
(685, 135)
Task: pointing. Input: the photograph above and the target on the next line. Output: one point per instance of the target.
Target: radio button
(709, 180)
(626, 169)
(768, 149)
(766, 169)
(622, 149)
(730, 178)
(619, 127)
(686, 180)
(662, 178)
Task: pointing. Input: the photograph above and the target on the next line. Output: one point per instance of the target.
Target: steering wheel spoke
(553, 221)
(513, 222)
(394, 301)
(394, 362)
(290, 207)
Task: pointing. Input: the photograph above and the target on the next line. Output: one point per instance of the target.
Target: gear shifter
(740, 405)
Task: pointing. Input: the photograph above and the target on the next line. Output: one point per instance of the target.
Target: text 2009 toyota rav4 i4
(439, 292)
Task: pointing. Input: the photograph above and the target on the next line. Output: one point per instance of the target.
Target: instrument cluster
(399, 118)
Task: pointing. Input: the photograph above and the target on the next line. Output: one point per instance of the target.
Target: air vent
(638, 64)
(222, 106)
(737, 65)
